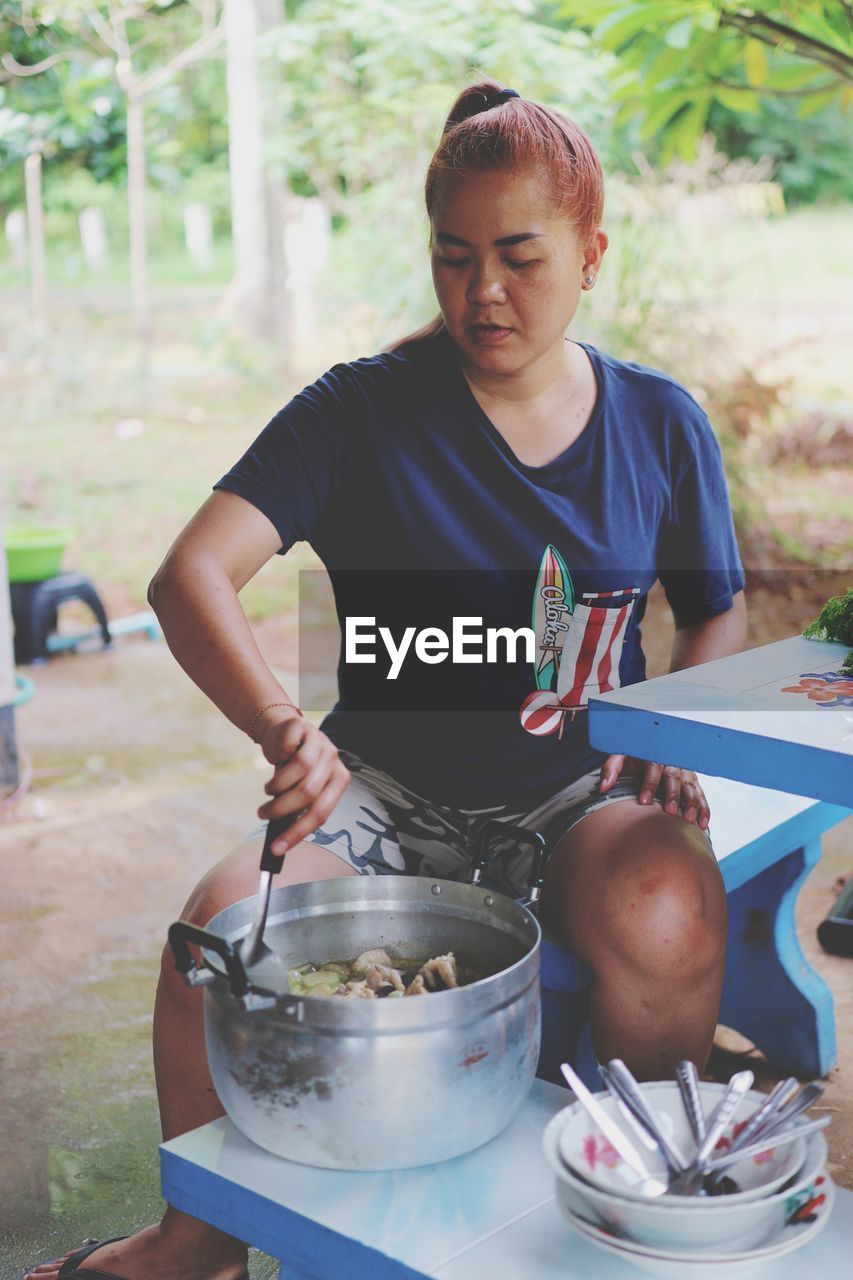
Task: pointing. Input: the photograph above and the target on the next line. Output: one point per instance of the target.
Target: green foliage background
(357, 89)
(355, 93)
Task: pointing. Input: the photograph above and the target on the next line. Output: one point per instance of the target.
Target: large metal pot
(372, 1084)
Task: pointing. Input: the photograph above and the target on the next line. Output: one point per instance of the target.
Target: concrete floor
(139, 785)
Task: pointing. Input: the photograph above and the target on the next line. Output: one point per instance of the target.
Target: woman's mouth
(489, 334)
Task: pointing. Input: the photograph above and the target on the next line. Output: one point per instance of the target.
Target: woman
(500, 468)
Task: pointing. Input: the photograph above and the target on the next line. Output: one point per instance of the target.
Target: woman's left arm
(699, 642)
(716, 637)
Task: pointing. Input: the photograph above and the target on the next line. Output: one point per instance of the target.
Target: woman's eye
(453, 262)
(521, 265)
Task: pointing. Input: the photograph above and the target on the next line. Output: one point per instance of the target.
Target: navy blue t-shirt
(421, 512)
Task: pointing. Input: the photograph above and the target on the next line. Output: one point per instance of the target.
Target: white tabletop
(490, 1215)
(749, 717)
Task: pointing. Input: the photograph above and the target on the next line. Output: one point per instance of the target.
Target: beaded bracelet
(269, 707)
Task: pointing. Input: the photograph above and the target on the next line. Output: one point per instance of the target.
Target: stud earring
(589, 281)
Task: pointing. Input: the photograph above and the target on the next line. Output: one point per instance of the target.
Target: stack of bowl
(783, 1199)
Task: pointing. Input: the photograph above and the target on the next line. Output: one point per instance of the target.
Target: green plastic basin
(34, 554)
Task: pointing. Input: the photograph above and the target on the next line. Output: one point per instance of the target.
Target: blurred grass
(125, 466)
(169, 264)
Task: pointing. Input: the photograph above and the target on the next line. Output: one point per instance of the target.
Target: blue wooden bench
(766, 843)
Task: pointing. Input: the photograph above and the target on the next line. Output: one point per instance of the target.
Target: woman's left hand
(681, 790)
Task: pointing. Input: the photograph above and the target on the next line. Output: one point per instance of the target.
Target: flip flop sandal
(70, 1269)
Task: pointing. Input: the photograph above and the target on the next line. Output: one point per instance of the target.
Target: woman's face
(508, 270)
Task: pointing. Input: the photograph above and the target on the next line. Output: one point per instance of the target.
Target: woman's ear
(592, 257)
(595, 251)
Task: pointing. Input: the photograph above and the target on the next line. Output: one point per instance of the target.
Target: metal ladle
(269, 968)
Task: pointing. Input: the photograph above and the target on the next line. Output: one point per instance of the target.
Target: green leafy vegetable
(835, 620)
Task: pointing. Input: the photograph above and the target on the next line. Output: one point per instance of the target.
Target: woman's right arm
(195, 596)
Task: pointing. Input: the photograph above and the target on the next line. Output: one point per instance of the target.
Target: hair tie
(499, 98)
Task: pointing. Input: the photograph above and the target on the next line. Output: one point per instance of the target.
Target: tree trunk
(136, 208)
(8, 746)
(35, 231)
(258, 287)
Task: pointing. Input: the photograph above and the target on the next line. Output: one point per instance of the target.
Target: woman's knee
(221, 886)
(664, 904)
(644, 895)
(236, 876)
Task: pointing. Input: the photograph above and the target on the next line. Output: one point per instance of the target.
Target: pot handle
(182, 933)
(491, 829)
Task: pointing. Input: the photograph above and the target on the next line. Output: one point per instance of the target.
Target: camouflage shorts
(382, 828)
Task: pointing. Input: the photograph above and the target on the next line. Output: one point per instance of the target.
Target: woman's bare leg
(638, 895)
(180, 1247)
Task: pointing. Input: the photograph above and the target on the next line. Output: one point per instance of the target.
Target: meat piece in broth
(356, 990)
(384, 975)
(369, 959)
(373, 974)
(376, 968)
(440, 972)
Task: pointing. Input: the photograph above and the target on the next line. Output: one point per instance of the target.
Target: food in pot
(373, 975)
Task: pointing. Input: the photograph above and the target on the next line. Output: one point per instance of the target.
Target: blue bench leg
(771, 993)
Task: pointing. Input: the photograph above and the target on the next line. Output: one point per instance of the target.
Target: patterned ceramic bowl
(588, 1153)
(666, 1264)
(681, 1222)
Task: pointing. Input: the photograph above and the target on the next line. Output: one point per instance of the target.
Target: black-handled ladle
(253, 950)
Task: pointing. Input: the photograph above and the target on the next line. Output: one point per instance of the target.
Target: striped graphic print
(593, 646)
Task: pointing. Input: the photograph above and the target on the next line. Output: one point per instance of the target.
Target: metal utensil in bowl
(789, 1111)
(687, 1076)
(623, 1084)
(690, 1182)
(647, 1185)
(763, 1116)
(768, 1141)
(769, 1122)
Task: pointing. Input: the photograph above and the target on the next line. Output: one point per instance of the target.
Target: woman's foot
(178, 1248)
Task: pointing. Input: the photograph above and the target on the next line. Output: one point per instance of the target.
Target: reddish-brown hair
(486, 131)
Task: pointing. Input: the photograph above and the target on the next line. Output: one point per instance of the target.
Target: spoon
(687, 1076)
(623, 1084)
(689, 1182)
(764, 1144)
(760, 1120)
(688, 1083)
(767, 1113)
(646, 1185)
(808, 1095)
(254, 952)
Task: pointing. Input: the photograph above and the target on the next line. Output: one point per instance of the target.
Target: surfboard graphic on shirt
(578, 645)
(553, 603)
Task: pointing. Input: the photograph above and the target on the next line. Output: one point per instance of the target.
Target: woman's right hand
(309, 777)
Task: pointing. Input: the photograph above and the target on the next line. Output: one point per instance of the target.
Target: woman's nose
(486, 286)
